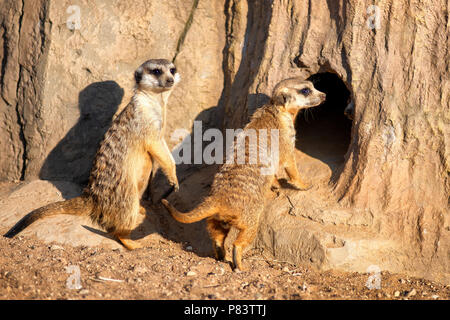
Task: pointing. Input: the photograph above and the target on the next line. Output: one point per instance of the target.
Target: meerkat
(349, 110)
(239, 191)
(124, 161)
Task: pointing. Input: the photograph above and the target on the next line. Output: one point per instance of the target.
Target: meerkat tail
(204, 210)
(77, 206)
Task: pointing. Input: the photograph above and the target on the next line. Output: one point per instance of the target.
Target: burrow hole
(324, 132)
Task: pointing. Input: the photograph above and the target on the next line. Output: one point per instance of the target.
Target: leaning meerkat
(123, 163)
(238, 191)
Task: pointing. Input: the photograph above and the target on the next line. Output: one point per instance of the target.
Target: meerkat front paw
(175, 186)
(300, 185)
(276, 190)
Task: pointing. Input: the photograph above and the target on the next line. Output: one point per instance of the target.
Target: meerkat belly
(136, 169)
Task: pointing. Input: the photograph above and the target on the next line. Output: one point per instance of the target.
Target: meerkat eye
(305, 91)
(156, 72)
(173, 70)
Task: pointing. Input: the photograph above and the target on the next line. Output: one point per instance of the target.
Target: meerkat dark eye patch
(305, 91)
(173, 70)
(156, 71)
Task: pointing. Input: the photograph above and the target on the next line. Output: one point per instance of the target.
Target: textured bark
(24, 29)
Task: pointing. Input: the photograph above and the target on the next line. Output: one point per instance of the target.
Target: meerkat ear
(280, 98)
(138, 75)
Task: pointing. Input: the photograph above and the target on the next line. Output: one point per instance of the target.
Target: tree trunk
(394, 60)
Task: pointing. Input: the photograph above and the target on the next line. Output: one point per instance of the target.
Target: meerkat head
(349, 110)
(156, 75)
(296, 94)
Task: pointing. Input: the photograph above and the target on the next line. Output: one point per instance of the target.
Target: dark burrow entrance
(324, 132)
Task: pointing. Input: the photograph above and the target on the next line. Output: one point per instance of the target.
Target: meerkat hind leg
(244, 238)
(218, 235)
(124, 238)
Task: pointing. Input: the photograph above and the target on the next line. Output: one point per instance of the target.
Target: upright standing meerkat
(123, 163)
(238, 191)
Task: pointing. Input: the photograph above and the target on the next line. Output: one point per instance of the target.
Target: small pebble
(412, 293)
(189, 248)
(221, 271)
(56, 247)
(140, 269)
(191, 273)
(397, 294)
(435, 296)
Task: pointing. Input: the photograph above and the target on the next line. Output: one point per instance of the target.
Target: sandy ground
(33, 266)
(32, 269)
